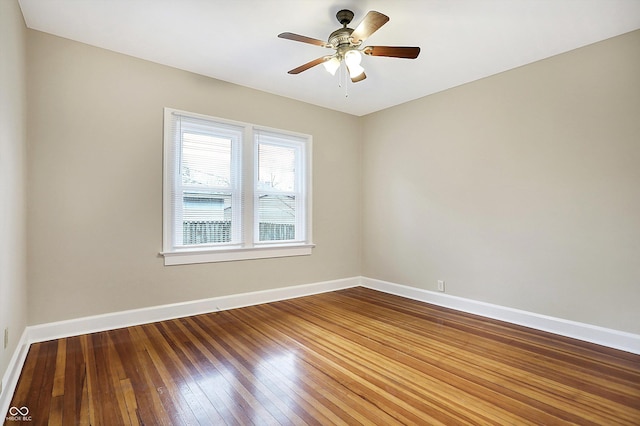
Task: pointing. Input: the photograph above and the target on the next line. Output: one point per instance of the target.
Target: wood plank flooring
(354, 356)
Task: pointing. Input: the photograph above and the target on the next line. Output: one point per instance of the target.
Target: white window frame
(244, 245)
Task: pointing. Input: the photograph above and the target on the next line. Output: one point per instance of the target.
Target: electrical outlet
(440, 285)
(6, 338)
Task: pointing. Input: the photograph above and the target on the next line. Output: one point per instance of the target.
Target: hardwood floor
(353, 356)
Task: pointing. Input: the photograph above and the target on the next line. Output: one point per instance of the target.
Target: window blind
(206, 200)
(280, 202)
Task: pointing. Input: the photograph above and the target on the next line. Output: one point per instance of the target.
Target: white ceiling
(236, 41)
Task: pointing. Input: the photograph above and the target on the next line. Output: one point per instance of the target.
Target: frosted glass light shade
(332, 65)
(352, 58)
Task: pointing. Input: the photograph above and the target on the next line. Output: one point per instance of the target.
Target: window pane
(277, 217)
(206, 218)
(276, 168)
(206, 160)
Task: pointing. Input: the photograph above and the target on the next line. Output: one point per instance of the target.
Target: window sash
(183, 124)
(297, 147)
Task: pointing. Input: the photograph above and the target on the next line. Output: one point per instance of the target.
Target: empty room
(319, 212)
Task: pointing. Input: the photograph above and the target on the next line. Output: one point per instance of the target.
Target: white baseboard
(38, 333)
(628, 342)
(110, 321)
(12, 374)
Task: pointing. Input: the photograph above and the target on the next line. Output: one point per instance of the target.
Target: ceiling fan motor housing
(340, 37)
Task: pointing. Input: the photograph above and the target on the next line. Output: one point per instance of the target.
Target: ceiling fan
(347, 44)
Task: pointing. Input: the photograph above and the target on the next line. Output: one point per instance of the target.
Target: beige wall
(95, 193)
(519, 189)
(13, 141)
(522, 189)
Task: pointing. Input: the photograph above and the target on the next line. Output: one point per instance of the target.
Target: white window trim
(183, 257)
(248, 249)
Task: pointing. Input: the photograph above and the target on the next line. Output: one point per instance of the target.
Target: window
(233, 191)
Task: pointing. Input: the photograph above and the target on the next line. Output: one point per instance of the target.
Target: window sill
(188, 256)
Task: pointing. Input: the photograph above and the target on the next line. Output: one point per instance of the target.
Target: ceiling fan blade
(309, 64)
(304, 39)
(369, 25)
(392, 51)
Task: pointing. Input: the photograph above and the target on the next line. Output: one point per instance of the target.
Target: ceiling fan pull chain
(346, 83)
(344, 75)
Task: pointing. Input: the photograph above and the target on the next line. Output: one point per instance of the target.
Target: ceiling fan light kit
(347, 43)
